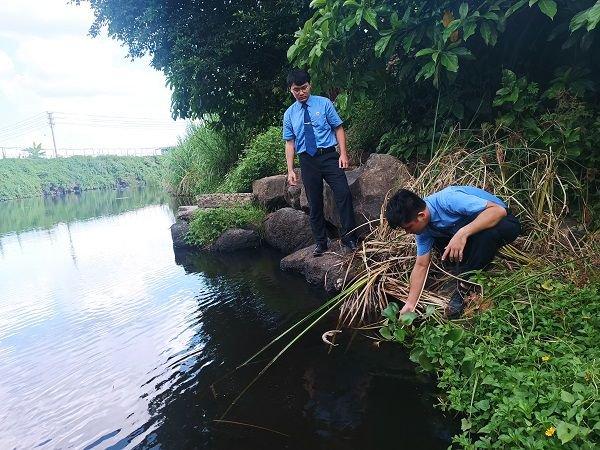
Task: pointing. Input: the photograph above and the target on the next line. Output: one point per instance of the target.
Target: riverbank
(21, 178)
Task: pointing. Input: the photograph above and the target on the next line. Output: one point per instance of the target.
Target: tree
(222, 59)
(35, 151)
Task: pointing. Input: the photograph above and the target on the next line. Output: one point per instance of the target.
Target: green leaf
(408, 318)
(483, 405)
(382, 44)
(425, 51)
(449, 61)
(316, 4)
(385, 332)
(391, 311)
(567, 397)
(548, 7)
(510, 11)
(465, 425)
(463, 10)
(566, 432)
(532, 2)
(292, 51)
(400, 334)
(426, 71)
(469, 29)
(370, 17)
(488, 33)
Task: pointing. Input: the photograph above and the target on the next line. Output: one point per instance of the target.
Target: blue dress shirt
(449, 206)
(324, 119)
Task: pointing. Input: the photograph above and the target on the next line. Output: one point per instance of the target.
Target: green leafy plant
(208, 224)
(525, 373)
(264, 157)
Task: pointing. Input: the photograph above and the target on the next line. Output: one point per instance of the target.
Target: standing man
(467, 224)
(312, 128)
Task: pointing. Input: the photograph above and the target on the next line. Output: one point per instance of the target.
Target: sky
(98, 96)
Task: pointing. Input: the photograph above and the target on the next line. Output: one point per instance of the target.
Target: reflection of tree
(45, 212)
(323, 401)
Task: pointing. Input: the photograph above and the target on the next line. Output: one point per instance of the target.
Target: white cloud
(49, 63)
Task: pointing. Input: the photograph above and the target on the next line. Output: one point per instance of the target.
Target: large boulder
(178, 232)
(369, 185)
(235, 239)
(327, 271)
(218, 200)
(270, 191)
(288, 230)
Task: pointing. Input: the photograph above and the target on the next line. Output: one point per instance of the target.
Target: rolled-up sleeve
(288, 130)
(333, 117)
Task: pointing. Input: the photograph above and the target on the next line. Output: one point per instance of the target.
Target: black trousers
(481, 247)
(326, 167)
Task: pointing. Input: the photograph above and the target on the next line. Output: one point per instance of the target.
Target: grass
(208, 224)
(20, 178)
(199, 163)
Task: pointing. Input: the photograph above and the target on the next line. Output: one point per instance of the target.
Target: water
(109, 339)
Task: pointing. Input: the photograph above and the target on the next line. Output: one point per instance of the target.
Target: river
(110, 339)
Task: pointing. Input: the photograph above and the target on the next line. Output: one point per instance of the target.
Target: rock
(327, 271)
(186, 212)
(270, 191)
(288, 230)
(235, 239)
(178, 232)
(295, 195)
(369, 185)
(218, 200)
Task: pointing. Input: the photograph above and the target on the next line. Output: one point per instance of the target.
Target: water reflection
(109, 339)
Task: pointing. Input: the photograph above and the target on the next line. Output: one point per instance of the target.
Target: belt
(323, 150)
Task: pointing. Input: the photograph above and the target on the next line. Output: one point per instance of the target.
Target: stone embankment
(287, 227)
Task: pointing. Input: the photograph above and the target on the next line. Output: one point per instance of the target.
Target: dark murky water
(108, 339)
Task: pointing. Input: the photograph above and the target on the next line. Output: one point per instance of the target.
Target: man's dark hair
(297, 77)
(403, 207)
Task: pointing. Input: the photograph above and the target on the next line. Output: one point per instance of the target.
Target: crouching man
(466, 224)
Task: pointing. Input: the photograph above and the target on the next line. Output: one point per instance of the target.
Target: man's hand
(456, 246)
(292, 178)
(408, 307)
(344, 161)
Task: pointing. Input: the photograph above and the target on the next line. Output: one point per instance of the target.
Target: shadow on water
(355, 397)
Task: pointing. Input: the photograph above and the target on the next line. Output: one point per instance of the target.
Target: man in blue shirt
(466, 223)
(311, 129)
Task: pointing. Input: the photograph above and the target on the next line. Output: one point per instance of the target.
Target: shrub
(200, 161)
(265, 157)
(208, 224)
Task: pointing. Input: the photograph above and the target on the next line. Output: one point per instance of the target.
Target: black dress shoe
(319, 249)
(350, 244)
(456, 305)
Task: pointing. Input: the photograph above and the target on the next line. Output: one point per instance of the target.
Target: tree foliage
(223, 58)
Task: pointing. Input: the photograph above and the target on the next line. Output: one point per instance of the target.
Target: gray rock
(369, 185)
(295, 195)
(178, 232)
(186, 212)
(270, 191)
(235, 239)
(327, 271)
(288, 230)
(218, 200)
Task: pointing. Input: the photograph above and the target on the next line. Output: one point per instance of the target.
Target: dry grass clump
(526, 179)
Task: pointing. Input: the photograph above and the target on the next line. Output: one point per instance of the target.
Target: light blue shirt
(323, 117)
(450, 205)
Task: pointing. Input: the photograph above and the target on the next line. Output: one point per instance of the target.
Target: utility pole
(51, 122)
